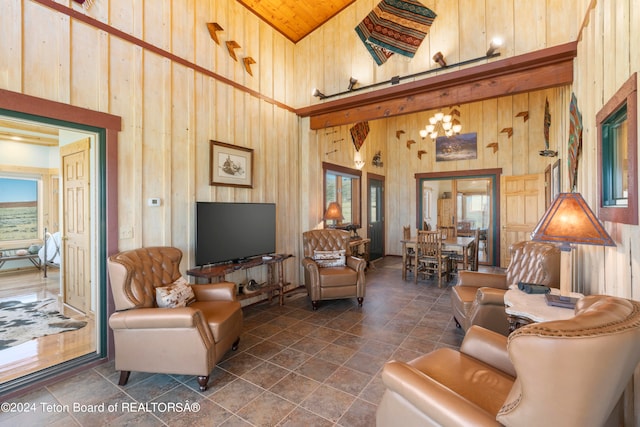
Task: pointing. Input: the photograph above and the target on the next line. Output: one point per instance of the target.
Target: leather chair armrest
(489, 347)
(477, 279)
(442, 404)
(490, 296)
(223, 291)
(156, 318)
(358, 264)
(310, 265)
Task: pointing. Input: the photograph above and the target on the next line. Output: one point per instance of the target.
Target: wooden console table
(275, 274)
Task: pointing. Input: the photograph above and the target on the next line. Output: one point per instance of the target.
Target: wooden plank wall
(170, 109)
(608, 54)
(462, 30)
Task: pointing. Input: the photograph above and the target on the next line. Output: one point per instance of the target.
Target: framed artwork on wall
(230, 165)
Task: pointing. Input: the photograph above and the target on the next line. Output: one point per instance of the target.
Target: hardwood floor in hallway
(43, 352)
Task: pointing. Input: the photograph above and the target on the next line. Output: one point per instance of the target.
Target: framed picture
(457, 147)
(230, 165)
(555, 179)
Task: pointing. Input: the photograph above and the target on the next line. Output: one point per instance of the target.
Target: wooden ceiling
(28, 132)
(295, 18)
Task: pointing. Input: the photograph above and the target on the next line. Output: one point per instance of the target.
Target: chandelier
(440, 123)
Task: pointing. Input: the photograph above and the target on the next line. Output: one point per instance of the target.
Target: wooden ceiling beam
(538, 70)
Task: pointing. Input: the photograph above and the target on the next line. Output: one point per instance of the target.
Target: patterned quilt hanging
(395, 26)
(359, 133)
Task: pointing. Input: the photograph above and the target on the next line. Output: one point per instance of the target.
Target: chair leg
(124, 377)
(360, 299)
(203, 380)
(234, 346)
(314, 305)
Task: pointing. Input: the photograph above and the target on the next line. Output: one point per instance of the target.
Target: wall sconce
(318, 94)
(352, 83)
(496, 42)
(357, 160)
(439, 58)
(377, 160)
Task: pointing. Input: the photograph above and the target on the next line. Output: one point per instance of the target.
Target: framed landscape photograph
(230, 165)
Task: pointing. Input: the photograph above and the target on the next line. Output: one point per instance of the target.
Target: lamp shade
(570, 220)
(333, 212)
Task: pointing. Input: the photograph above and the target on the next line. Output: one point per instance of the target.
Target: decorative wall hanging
(398, 133)
(231, 46)
(377, 160)
(230, 165)
(457, 147)
(86, 4)
(420, 153)
(395, 26)
(547, 124)
(359, 133)
(409, 142)
(213, 28)
(247, 64)
(493, 145)
(524, 115)
(508, 131)
(575, 140)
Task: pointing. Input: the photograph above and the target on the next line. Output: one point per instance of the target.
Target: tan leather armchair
(181, 340)
(325, 283)
(478, 297)
(562, 373)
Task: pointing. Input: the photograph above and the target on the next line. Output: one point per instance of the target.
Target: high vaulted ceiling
(295, 18)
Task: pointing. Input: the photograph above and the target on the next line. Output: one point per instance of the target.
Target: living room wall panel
(608, 53)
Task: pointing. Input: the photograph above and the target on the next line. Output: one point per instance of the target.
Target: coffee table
(523, 308)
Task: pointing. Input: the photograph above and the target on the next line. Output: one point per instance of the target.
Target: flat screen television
(234, 232)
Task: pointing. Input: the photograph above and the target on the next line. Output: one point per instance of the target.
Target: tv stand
(275, 282)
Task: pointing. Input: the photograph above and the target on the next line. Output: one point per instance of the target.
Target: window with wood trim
(343, 185)
(618, 156)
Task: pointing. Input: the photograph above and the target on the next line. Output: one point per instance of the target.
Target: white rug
(21, 322)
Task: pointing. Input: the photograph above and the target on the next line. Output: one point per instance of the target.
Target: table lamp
(333, 213)
(569, 220)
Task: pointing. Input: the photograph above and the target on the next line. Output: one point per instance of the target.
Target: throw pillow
(330, 258)
(178, 294)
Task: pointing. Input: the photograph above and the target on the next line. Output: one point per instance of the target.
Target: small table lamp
(334, 213)
(570, 220)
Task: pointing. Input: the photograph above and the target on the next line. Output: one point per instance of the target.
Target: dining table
(459, 243)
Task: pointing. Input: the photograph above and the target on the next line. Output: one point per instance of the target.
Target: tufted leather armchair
(324, 283)
(182, 340)
(478, 298)
(561, 373)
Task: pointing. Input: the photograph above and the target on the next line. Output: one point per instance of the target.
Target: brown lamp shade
(333, 212)
(570, 220)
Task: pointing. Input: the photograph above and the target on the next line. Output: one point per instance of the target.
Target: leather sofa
(478, 297)
(561, 373)
(346, 280)
(187, 340)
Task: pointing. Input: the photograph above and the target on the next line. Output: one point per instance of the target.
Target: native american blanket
(575, 140)
(395, 26)
(359, 133)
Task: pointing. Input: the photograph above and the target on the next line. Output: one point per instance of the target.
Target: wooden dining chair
(472, 254)
(429, 259)
(410, 255)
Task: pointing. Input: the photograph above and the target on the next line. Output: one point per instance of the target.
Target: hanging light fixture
(440, 123)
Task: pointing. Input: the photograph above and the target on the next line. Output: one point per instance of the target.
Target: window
(18, 209)
(617, 156)
(342, 185)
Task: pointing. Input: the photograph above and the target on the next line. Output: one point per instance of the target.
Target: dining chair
(472, 254)
(429, 259)
(410, 255)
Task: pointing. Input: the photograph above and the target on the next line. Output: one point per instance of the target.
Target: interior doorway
(462, 202)
(35, 149)
(375, 196)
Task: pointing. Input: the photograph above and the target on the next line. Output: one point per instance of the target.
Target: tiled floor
(294, 367)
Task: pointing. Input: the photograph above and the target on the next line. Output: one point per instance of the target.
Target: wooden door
(76, 252)
(522, 202)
